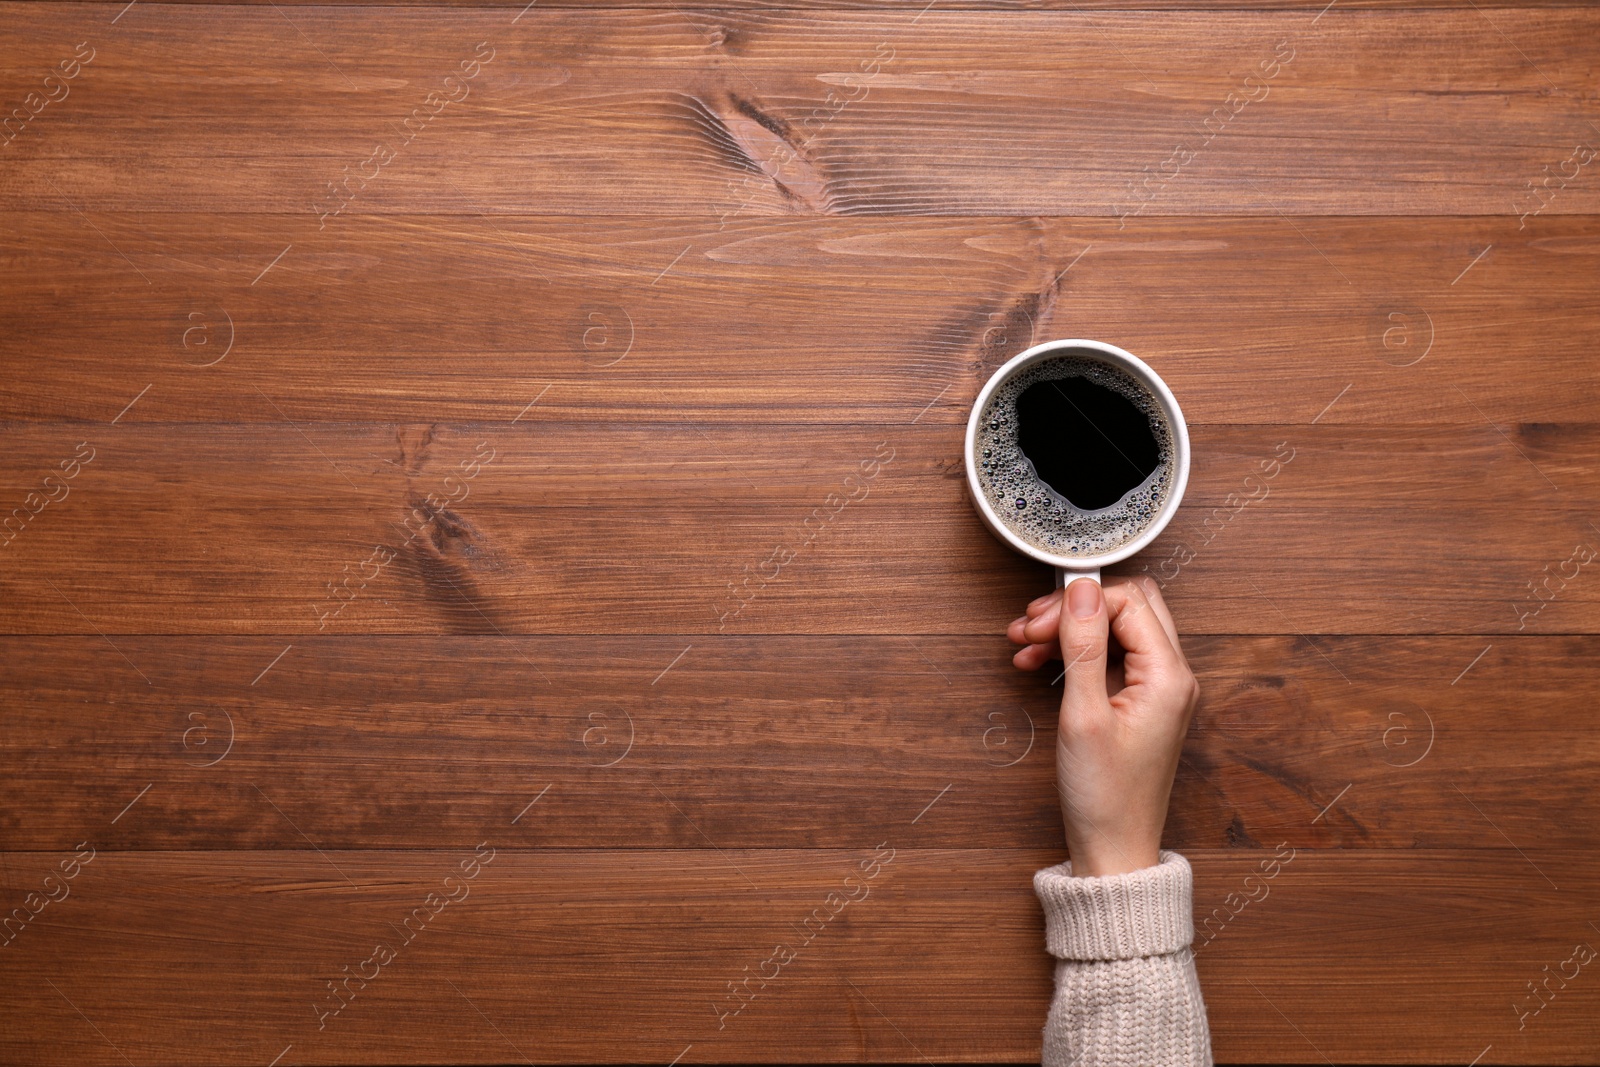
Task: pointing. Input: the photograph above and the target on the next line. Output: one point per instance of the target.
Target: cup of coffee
(1077, 455)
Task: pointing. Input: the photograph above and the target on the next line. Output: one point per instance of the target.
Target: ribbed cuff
(1120, 917)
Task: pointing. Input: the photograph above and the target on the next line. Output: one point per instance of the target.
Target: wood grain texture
(967, 113)
(809, 320)
(542, 958)
(771, 742)
(1312, 7)
(554, 527)
(386, 474)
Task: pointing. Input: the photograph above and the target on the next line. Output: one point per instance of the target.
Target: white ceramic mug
(1069, 568)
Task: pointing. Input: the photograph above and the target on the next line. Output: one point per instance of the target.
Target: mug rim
(1126, 361)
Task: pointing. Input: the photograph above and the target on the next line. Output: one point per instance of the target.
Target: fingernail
(1083, 597)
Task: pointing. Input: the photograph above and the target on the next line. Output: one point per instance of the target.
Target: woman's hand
(1124, 714)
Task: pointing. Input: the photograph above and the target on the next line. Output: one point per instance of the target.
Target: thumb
(1084, 625)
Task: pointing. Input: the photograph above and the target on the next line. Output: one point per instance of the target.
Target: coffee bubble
(1034, 511)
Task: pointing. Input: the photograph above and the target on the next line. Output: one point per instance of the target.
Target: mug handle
(1065, 577)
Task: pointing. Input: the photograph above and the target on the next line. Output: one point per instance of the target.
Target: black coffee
(1088, 443)
(1074, 455)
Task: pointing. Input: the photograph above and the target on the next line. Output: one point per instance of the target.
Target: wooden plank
(1364, 112)
(1429, 950)
(548, 527)
(837, 320)
(668, 741)
(577, 956)
(760, 466)
(1311, 7)
(551, 664)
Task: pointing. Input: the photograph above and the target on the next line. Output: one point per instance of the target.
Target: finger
(1152, 592)
(1139, 630)
(1084, 632)
(1046, 626)
(1043, 604)
(1035, 656)
(1136, 591)
(1015, 631)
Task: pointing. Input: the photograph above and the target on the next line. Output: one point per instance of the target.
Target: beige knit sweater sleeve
(1126, 989)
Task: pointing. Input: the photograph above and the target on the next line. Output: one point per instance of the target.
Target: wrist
(1139, 914)
(1106, 860)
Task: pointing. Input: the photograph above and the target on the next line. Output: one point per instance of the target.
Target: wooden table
(488, 575)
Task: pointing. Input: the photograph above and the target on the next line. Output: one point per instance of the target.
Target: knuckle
(1082, 724)
(1081, 651)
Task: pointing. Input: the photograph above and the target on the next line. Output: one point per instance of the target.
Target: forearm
(1126, 988)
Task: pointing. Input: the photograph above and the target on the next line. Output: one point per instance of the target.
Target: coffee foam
(1038, 514)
